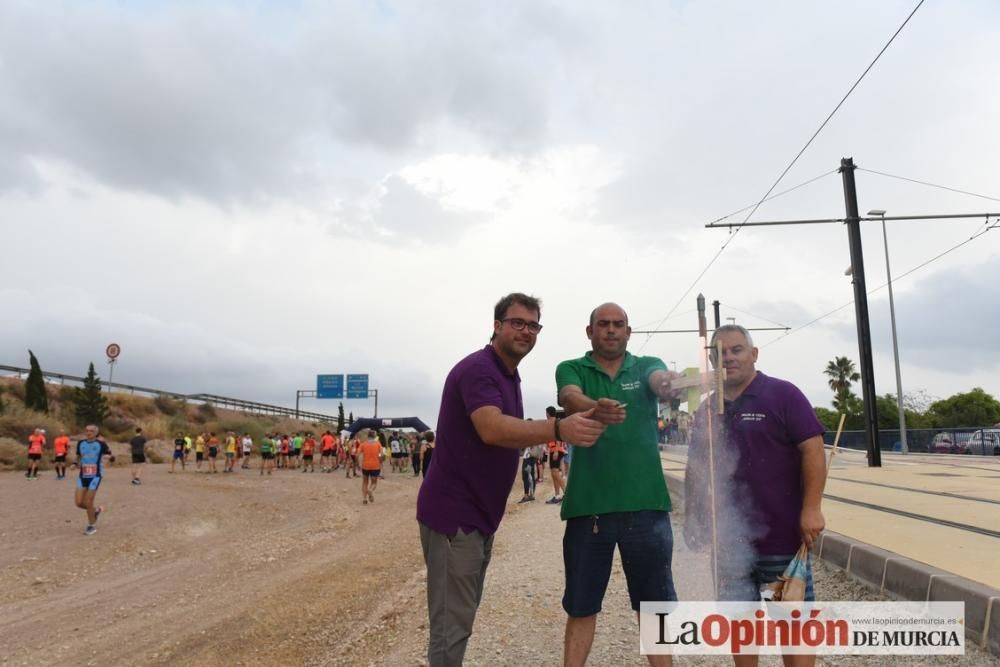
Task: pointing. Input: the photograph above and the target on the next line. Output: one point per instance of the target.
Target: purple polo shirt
(468, 481)
(765, 426)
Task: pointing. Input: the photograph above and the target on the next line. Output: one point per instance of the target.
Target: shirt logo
(631, 386)
(752, 417)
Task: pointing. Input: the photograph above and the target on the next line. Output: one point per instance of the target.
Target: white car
(985, 441)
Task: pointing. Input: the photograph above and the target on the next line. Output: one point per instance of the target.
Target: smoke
(731, 529)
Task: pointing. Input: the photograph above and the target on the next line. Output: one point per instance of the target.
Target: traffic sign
(113, 350)
(357, 386)
(329, 386)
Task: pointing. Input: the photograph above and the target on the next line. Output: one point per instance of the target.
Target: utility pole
(867, 366)
(715, 311)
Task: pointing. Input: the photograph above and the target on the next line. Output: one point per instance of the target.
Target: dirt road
(240, 569)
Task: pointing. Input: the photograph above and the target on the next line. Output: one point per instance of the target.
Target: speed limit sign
(113, 350)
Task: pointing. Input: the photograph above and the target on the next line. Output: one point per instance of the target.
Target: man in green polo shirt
(617, 495)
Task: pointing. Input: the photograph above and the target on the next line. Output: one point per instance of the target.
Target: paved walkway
(943, 510)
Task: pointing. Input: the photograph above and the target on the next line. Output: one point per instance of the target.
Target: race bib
(88, 470)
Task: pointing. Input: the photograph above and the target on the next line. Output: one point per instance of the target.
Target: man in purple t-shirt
(769, 473)
(462, 499)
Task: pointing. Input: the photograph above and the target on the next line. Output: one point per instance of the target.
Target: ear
(590, 332)
(755, 355)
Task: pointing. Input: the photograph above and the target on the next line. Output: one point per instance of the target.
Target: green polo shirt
(622, 471)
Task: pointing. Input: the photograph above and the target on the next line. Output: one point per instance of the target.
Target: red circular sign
(113, 350)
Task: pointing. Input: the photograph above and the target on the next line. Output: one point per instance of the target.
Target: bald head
(608, 309)
(609, 331)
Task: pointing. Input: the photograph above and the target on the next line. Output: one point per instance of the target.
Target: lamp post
(895, 343)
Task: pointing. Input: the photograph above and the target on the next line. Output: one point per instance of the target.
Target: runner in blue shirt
(90, 453)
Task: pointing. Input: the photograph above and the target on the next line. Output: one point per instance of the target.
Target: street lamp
(895, 344)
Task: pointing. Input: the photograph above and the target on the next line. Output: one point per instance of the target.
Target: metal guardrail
(253, 407)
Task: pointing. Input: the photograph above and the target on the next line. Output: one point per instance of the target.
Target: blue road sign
(329, 386)
(357, 386)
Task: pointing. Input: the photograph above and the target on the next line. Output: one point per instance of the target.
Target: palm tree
(842, 373)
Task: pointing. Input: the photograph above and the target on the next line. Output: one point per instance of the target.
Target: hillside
(160, 419)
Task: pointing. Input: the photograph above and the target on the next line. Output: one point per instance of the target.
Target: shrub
(167, 405)
(118, 427)
(18, 423)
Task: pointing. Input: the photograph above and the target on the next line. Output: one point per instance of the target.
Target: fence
(253, 407)
(984, 441)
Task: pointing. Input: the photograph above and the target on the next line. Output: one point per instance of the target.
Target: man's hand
(609, 411)
(811, 524)
(581, 429)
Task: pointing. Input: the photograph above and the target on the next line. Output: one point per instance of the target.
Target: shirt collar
(499, 362)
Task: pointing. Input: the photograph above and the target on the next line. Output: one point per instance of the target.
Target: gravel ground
(521, 619)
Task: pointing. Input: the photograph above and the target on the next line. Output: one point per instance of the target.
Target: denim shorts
(742, 582)
(646, 543)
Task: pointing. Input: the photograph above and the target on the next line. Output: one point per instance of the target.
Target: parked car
(985, 441)
(944, 443)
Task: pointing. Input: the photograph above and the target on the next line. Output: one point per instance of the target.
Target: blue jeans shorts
(741, 582)
(645, 542)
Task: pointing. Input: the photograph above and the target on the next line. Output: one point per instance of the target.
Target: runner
(180, 442)
(36, 444)
(283, 456)
(296, 449)
(138, 445)
(352, 457)
(415, 445)
(371, 467)
(213, 451)
(266, 454)
(230, 452)
(89, 454)
(199, 450)
(187, 447)
(61, 447)
(396, 451)
(341, 446)
(308, 447)
(246, 444)
(426, 451)
(326, 452)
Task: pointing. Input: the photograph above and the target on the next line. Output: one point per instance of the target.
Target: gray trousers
(456, 570)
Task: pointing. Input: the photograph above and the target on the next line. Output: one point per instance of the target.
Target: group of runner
(360, 455)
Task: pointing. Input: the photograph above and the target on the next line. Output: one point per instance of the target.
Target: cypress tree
(350, 418)
(91, 407)
(35, 396)
(340, 418)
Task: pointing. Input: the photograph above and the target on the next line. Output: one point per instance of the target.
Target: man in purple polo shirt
(770, 473)
(462, 500)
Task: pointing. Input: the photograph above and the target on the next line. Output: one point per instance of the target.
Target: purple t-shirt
(468, 483)
(765, 426)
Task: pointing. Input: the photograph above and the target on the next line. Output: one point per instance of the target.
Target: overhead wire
(986, 227)
(931, 185)
(767, 194)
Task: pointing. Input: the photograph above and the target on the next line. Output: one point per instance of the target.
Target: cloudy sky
(246, 194)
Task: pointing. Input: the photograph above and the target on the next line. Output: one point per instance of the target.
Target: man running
(36, 445)
(89, 454)
(179, 445)
(213, 451)
(326, 452)
(352, 458)
(371, 467)
(61, 447)
(138, 445)
(230, 452)
(396, 452)
(199, 450)
(246, 443)
(308, 447)
(266, 454)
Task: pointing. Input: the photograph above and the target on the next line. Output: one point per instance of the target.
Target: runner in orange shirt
(326, 452)
(61, 447)
(371, 466)
(308, 447)
(36, 445)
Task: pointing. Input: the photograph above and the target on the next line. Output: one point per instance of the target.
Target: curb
(902, 578)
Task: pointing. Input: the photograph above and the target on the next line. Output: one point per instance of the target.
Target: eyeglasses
(517, 324)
